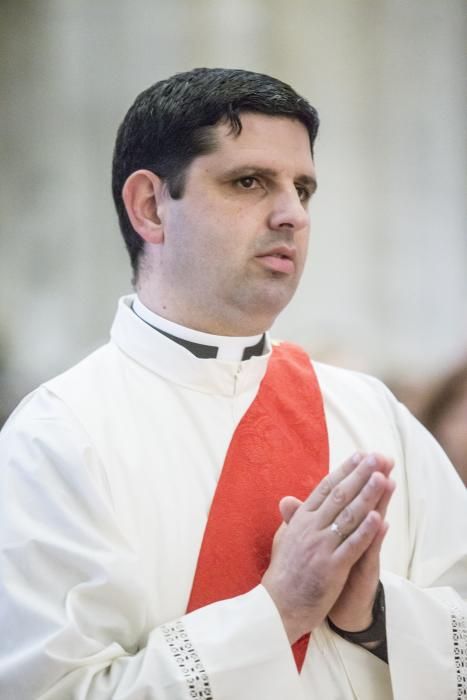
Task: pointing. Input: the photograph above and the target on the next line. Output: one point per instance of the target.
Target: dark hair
(170, 124)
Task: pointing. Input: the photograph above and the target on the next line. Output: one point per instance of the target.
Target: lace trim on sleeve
(188, 660)
(459, 639)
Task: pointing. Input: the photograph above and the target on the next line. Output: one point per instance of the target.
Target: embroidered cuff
(188, 660)
(459, 640)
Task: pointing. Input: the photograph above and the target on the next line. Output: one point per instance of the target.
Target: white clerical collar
(233, 349)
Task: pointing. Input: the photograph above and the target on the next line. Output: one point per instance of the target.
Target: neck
(226, 323)
(230, 348)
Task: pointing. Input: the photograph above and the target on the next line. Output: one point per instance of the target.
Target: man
(141, 490)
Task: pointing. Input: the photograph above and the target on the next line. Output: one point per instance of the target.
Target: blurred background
(385, 289)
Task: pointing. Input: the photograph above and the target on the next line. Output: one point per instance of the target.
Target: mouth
(280, 259)
(280, 255)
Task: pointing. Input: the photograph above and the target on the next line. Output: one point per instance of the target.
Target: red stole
(279, 448)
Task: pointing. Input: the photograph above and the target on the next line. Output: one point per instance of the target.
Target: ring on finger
(335, 528)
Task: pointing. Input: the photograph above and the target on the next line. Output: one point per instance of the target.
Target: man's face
(235, 244)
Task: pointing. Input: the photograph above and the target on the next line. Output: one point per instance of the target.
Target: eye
(248, 182)
(304, 193)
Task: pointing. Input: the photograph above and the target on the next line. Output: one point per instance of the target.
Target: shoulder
(361, 412)
(362, 406)
(90, 371)
(47, 440)
(349, 384)
(347, 394)
(55, 407)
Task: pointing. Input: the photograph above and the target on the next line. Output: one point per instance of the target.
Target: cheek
(227, 235)
(213, 232)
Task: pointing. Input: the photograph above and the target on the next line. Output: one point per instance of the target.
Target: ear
(142, 195)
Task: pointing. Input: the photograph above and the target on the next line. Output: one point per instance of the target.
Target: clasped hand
(325, 556)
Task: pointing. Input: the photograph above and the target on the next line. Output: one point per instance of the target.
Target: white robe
(106, 479)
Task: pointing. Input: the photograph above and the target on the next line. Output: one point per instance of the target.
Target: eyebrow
(245, 170)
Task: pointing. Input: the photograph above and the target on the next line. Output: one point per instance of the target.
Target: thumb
(287, 506)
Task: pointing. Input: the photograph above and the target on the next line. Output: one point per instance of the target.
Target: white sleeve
(73, 613)
(426, 612)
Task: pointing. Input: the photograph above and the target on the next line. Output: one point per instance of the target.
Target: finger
(330, 481)
(278, 536)
(375, 548)
(352, 515)
(370, 560)
(363, 488)
(359, 541)
(369, 563)
(288, 506)
(386, 464)
(382, 506)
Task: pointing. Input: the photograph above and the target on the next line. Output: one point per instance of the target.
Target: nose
(288, 212)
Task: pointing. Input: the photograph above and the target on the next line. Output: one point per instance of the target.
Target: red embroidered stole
(279, 448)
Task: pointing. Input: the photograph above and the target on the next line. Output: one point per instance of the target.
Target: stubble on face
(210, 275)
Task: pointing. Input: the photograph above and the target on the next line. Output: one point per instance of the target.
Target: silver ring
(335, 528)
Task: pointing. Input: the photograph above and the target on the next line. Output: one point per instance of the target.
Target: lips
(279, 259)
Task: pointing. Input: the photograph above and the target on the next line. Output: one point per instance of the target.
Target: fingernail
(357, 458)
(371, 460)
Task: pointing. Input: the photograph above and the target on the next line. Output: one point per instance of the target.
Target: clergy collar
(202, 345)
(155, 352)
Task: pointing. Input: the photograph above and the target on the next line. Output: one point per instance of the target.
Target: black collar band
(210, 351)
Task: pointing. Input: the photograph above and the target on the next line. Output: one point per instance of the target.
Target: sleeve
(426, 611)
(73, 612)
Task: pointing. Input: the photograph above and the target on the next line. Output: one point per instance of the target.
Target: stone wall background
(386, 285)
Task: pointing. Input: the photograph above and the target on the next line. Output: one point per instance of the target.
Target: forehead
(266, 141)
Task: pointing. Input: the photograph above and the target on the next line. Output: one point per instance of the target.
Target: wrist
(294, 618)
(375, 631)
(295, 625)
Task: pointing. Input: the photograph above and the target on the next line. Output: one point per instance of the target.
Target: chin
(267, 308)
(278, 297)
